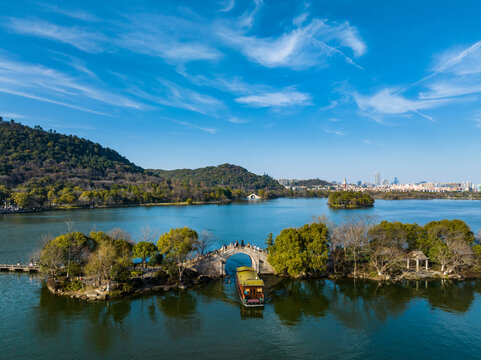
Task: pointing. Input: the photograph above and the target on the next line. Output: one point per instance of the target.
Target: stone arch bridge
(213, 263)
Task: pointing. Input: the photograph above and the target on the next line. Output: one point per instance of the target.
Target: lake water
(302, 319)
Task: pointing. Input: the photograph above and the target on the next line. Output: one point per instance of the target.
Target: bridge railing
(19, 267)
(225, 248)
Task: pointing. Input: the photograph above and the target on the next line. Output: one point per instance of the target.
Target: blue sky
(327, 89)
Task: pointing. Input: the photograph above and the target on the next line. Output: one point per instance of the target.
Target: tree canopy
(297, 252)
(177, 245)
(144, 250)
(350, 199)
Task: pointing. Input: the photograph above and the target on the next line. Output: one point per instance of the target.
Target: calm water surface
(303, 319)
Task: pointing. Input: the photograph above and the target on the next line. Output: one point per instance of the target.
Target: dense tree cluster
(360, 246)
(100, 254)
(108, 256)
(30, 153)
(310, 182)
(350, 199)
(300, 251)
(229, 175)
(46, 193)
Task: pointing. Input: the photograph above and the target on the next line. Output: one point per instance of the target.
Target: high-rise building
(377, 179)
(395, 181)
(385, 182)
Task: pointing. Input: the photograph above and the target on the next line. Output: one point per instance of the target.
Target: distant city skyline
(294, 89)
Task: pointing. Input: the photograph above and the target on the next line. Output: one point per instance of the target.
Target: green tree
(297, 252)
(76, 247)
(177, 246)
(22, 199)
(269, 241)
(387, 246)
(449, 243)
(143, 250)
(101, 262)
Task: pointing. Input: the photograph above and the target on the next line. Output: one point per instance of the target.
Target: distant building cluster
(395, 185)
(292, 184)
(386, 185)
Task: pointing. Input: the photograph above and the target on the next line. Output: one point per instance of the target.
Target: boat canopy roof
(248, 277)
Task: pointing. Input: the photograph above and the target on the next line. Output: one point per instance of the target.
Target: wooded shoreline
(221, 202)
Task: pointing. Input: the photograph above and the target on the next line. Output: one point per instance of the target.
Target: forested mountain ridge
(31, 153)
(43, 169)
(229, 175)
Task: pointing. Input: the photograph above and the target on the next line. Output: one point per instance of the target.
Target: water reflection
(103, 320)
(180, 304)
(181, 317)
(361, 306)
(451, 296)
(292, 300)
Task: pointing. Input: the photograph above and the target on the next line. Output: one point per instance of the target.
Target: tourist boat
(249, 286)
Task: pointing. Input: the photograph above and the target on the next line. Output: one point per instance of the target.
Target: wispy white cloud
(168, 37)
(10, 115)
(52, 101)
(232, 84)
(476, 116)
(173, 95)
(50, 85)
(300, 19)
(335, 132)
(228, 5)
(297, 48)
(462, 62)
(459, 71)
(72, 13)
(387, 102)
(451, 88)
(236, 120)
(196, 127)
(332, 105)
(247, 19)
(254, 95)
(456, 75)
(285, 98)
(75, 36)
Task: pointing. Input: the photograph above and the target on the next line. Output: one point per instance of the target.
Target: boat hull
(253, 302)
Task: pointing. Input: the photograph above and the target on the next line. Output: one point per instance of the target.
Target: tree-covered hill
(43, 169)
(228, 175)
(31, 153)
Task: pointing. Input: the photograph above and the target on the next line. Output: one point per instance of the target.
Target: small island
(101, 266)
(350, 200)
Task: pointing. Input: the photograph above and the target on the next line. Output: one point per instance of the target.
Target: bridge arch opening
(236, 260)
